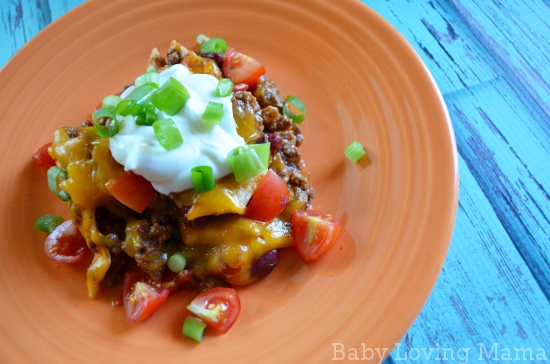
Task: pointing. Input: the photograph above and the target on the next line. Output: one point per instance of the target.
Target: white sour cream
(138, 150)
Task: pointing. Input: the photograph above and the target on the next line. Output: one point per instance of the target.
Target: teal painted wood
(60, 7)
(501, 134)
(492, 286)
(455, 60)
(518, 33)
(20, 20)
(484, 296)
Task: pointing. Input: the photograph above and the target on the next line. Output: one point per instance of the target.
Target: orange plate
(360, 81)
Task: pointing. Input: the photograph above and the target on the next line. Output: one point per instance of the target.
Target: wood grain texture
(490, 60)
(495, 280)
(517, 33)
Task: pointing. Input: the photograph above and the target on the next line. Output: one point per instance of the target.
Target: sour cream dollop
(138, 150)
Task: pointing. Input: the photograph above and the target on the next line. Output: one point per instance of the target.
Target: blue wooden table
(491, 60)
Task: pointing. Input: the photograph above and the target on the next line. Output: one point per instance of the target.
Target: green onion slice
(150, 114)
(171, 97)
(214, 45)
(246, 162)
(263, 150)
(193, 327)
(47, 223)
(201, 38)
(224, 88)
(177, 262)
(355, 151)
(294, 109)
(108, 130)
(54, 174)
(102, 113)
(142, 94)
(147, 115)
(111, 126)
(110, 102)
(128, 107)
(150, 76)
(213, 112)
(167, 134)
(203, 178)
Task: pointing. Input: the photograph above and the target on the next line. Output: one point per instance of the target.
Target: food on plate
(190, 178)
(355, 151)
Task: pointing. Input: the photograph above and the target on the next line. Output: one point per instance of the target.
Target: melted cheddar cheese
(226, 247)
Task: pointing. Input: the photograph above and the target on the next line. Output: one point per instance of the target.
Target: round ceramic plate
(359, 79)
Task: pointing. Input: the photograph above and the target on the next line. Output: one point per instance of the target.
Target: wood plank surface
(496, 277)
(490, 60)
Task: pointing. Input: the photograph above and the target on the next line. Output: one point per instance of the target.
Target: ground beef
(156, 61)
(299, 184)
(245, 107)
(153, 253)
(176, 53)
(289, 151)
(86, 123)
(274, 121)
(110, 225)
(279, 127)
(115, 273)
(72, 131)
(268, 93)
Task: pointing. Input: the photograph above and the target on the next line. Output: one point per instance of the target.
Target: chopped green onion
(214, 45)
(203, 178)
(176, 262)
(54, 174)
(147, 115)
(245, 162)
(171, 97)
(47, 223)
(355, 151)
(224, 88)
(142, 94)
(150, 114)
(294, 109)
(150, 76)
(193, 327)
(110, 102)
(110, 126)
(213, 112)
(263, 150)
(167, 134)
(128, 107)
(102, 113)
(201, 38)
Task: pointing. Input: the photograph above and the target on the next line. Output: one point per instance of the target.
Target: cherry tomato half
(42, 157)
(65, 244)
(132, 190)
(218, 307)
(269, 199)
(241, 68)
(141, 300)
(315, 233)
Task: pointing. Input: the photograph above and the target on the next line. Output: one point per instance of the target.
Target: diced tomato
(141, 300)
(241, 68)
(65, 244)
(218, 307)
(240, 87)
(314, 233)
(132, 190)
(269, 199)
(42, 157)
